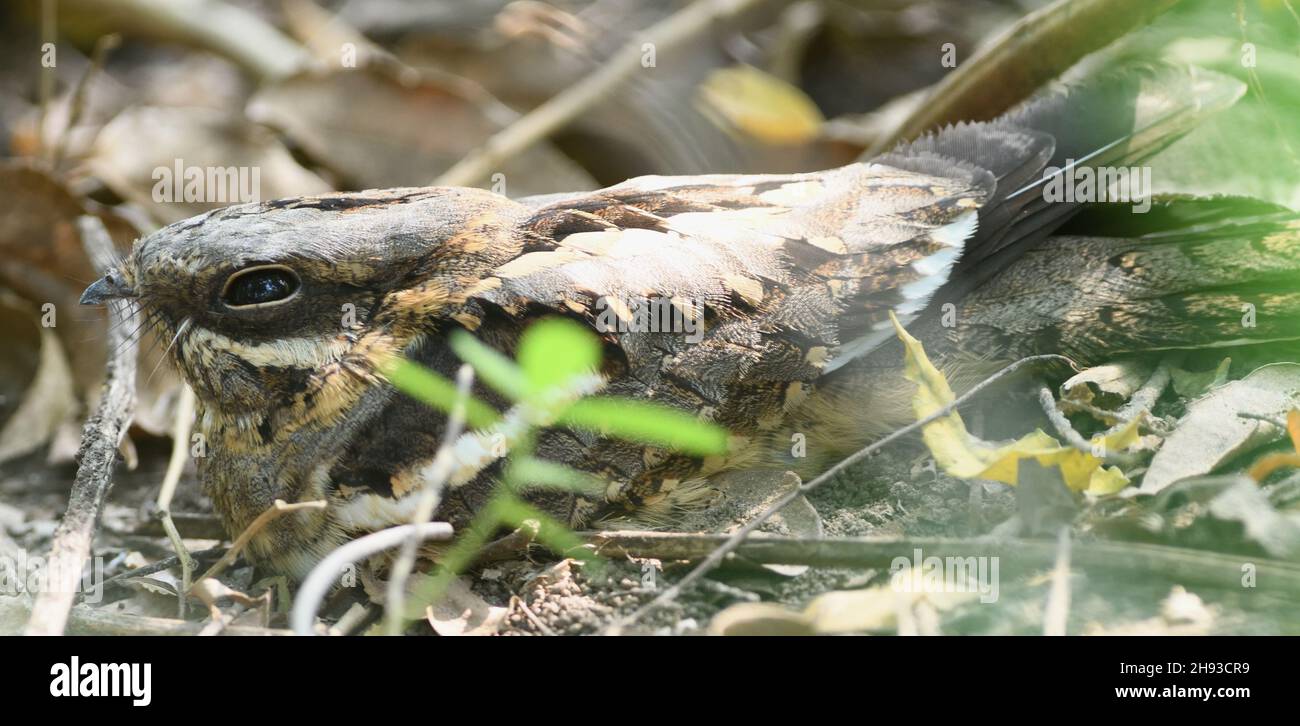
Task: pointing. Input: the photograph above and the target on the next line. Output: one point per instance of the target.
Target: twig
(273, 512)
(1275, 421)
(508, 547)
(1056, 614)
(732, 542)
(100, 438)
(321, 579)
(76, 105)
(45, 89)
(567, 105)
(1074, 438)
(164, 564)
(1131, 560)
(532, 618)
(1033, 51)
(1103, 415)
(224, 29)
(353, 620)
(430, 496)
(175, 465)
(1144, 399)
(104, 621)
(219, 621)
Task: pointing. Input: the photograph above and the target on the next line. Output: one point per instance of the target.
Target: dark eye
(260, 286)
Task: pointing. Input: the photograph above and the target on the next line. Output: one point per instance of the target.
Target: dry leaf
(140, 153)
(378, 127)
(461, 612)
(761, 106)
(48, 396)
(1113, 383)
(1212, 432)
(966, 457)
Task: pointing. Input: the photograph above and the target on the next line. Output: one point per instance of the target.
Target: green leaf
(550, 532)
(492, 367)
(554, 350)
(428, 387)
(548, 474)
(647, 422)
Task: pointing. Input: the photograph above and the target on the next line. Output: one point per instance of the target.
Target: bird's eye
(260, 286)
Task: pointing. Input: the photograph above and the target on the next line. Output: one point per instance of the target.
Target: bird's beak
(104, 289)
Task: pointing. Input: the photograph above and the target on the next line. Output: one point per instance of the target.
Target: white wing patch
(933, 269)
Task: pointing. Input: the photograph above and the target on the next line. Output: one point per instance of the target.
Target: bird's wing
(709, 285)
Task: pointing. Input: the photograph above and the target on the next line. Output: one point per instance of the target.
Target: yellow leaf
(965, 456)
(759, 105)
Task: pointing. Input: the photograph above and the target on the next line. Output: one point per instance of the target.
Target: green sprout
(557, 364)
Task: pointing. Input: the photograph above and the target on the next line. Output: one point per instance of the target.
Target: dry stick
(1131, 560)
(77, 104)
(227, 30)
(166, 563)
(321, 579)
(45, 90)
(1033, 51)
(567, 105)
(105, 621)
(1074, 438)
(175, 466)
(532, 617)
(100, 438)
(1145, 397)
(715, 558)
(430, 496)
(1056, 613)
(272, 513)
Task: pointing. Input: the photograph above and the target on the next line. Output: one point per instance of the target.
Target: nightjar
(791, 279)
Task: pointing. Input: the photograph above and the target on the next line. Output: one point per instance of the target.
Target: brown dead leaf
(38, 394)
(43, 262)
(138, 154)
(383, 127)
(1212, 432)
(461, 612)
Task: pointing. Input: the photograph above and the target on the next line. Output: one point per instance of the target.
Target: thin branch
(1131, 560)
(569, 104)
(1074, 438)
(542, 627)
(322, 577)
(184, 421)
(1144, 399)
(430, 496)
(164, 564)
(1056, 613)
(229, 31)
(48, 77)
(105, 621)
(100, 438)
(77, 104)
(272, 513)
(715, 558)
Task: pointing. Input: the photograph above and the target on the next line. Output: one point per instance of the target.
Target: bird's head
(254, 300)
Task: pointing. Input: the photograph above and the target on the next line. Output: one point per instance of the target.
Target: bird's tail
(1190, 274)
(1111, 121)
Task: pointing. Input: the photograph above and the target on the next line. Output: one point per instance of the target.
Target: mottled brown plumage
(283, 312)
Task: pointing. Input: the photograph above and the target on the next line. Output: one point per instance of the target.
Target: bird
(281, 313)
